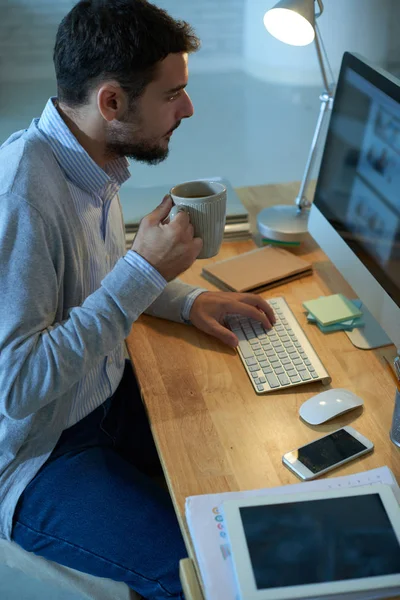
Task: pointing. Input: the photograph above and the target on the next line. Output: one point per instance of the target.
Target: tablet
(315, 544)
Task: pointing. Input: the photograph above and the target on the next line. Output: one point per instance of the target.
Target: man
(76, 455)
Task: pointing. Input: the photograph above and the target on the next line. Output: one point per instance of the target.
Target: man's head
(123, 64)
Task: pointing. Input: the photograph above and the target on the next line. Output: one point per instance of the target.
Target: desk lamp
(293, 22)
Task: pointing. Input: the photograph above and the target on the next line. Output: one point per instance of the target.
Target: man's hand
(168, 246)
(210, 309)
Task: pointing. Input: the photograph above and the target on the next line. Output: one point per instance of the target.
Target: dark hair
(115, 39)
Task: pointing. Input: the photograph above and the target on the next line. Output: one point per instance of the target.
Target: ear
(111, 101)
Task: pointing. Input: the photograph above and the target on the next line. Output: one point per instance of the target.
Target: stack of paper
(209, 536)
(334, 313)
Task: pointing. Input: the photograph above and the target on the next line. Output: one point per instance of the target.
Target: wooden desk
(213, 433)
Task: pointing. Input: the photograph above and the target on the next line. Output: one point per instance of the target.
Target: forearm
(175, 301)
(38, 363)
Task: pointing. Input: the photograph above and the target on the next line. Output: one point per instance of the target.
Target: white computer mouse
(328, 404)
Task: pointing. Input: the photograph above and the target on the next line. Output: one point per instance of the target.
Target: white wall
(28, 29)
(27, 32)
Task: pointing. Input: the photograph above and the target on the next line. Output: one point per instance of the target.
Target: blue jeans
(95, 507)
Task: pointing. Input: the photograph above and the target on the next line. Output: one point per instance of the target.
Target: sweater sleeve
(40, 359)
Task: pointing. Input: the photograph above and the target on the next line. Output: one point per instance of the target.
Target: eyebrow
(176, 89)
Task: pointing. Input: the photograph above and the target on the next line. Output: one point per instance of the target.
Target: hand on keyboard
(277, 358)
(211, 309)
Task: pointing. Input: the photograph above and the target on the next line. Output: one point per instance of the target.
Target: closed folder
(257, 270)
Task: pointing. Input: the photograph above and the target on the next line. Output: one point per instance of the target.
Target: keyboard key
(278, 349)
(274, 359)
(259, 352)
(285, 338)
(262, 379)
(254, 368)
(240, 335)
(267, 370)
(288, 367)
(245, 349)
(286, 360)
(255, 375)
(314, 375)
(307, 362)
(295, 379)
(292, 373)
(297, 361)
(301, 368)
(282, 355)
(279, 371)
(251, 361)
(272, 380)
(263, 363)
(283, 379)
(270, 352)
(260, 388)
(305, 375)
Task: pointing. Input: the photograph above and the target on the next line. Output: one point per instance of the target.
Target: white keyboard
(278, 358)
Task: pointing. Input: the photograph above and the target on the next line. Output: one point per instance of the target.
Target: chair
(64, 578)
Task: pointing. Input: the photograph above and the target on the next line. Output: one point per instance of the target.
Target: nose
(186, 108)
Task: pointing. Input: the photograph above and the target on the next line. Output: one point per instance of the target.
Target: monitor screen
(358, 189)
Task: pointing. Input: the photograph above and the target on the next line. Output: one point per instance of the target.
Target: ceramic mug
(205, 202)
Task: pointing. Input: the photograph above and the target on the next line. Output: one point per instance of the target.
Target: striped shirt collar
(79, 167)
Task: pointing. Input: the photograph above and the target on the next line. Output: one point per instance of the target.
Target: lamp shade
(292, 22)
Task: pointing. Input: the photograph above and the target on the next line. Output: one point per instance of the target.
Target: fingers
(248, 310)
(222, 333)
(261, 305)
(159, 214)
(181, 219)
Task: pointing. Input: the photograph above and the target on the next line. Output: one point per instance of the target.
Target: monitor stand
(371, 335)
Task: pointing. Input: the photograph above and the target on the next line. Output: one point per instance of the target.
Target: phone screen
(329, 450)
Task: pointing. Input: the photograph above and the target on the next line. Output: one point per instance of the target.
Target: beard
(121, 142)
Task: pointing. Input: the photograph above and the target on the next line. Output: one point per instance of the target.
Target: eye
(174, 96)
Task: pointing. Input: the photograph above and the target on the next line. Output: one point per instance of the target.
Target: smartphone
(327, 453)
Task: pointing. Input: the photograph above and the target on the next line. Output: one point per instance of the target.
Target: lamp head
(292, 21)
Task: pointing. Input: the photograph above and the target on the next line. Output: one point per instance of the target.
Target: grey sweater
(50, 336)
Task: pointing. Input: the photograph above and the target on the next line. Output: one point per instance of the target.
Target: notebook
(257, 270)
(332, 309)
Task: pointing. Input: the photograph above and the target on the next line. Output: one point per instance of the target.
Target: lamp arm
(326, 103)
(301, 200)
(321, 8)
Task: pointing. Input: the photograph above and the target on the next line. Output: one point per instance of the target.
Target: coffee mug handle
(175, 210)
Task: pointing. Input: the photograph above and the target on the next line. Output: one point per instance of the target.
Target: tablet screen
(319, 541)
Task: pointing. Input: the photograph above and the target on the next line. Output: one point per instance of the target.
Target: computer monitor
(355, 217)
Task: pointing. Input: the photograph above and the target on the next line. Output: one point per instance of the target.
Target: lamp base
(283, 223)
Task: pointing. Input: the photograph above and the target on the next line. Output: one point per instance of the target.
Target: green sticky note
(332, 309)
(343, 326)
